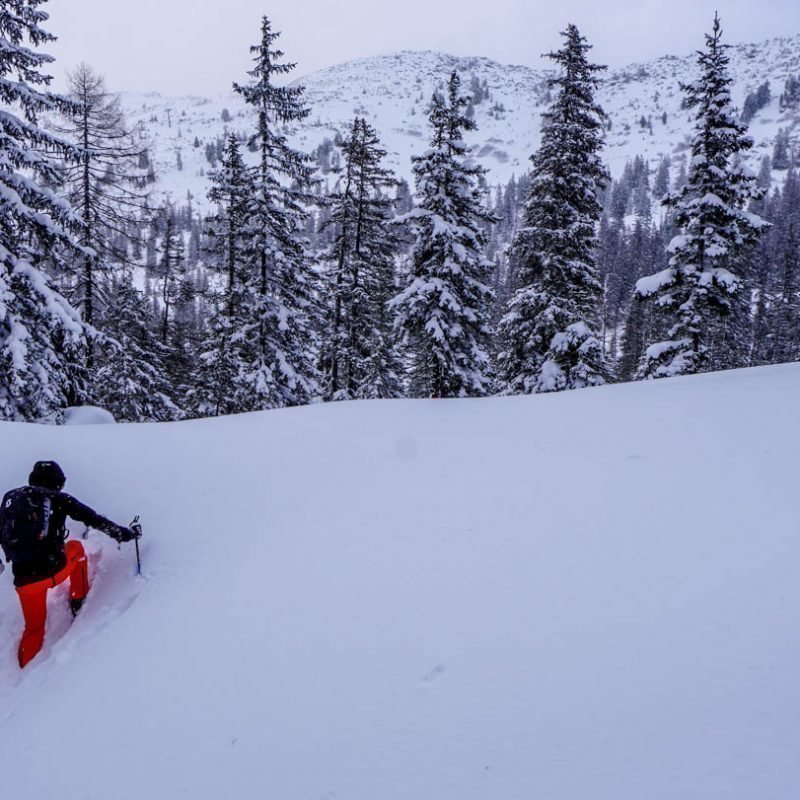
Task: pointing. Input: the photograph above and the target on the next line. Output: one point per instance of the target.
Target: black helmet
(48, 475)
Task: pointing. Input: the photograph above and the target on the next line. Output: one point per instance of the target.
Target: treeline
(322, 277)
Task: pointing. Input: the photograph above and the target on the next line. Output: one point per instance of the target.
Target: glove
(126, 534)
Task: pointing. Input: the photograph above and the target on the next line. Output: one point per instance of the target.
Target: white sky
(201, 46)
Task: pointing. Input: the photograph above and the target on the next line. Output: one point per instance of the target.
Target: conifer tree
(169, 267)
(783, 315)
(184, 332)
(777, 313)
(42, 338)
(703, 285)
(359, 354)
(661, 183)
(221, 352)
(550, 331)
(781, 156)
(179, 323)
(790, 97)
(228, 232)
(132, 381)
(105, 187)
(282, 314)
(444, 313)
(218, 365)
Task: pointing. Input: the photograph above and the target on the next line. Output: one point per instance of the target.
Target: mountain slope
(589, 595)
(393, 92)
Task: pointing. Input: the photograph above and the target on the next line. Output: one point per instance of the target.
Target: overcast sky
(201, 46)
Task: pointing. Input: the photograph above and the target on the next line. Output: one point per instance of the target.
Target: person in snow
(34, 540)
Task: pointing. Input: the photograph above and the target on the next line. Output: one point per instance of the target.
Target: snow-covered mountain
(643, 102)
(584, 596)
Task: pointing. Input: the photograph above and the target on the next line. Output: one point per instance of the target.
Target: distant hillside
(643, 102)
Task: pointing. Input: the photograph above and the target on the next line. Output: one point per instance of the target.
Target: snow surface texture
(588, 596)
(393, 93)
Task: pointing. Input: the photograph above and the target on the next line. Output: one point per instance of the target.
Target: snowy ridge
(585, 596)
(393, 92)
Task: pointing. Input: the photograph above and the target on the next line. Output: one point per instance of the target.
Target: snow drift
(588, 596)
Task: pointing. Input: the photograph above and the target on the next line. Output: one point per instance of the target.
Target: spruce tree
(184, 337)
(783, 316)
(661, 182)
(43, 341)
(777, 313)
(221, 352)
(227, 230)
(781, 155)
(444, 313)
(218, 365)
(703, 291)
(282, 312)
(169, 269)
(550, 334)
(359, 353)
(642, 253)
(132, 381)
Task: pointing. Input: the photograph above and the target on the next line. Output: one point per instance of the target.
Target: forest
(299, 290)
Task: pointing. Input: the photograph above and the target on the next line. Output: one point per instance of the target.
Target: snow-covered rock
(88, 415)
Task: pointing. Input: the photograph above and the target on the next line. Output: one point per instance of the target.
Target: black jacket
(46, 556)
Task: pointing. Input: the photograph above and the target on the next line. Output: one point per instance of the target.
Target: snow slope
(393, 92)
(585, 596)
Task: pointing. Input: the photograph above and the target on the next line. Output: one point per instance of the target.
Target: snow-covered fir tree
(444, 311)
(282, 314)
(132, 381)
(169, 269)
(184, 333)
(781, 152)
(228, 233)
(219, 362)
(550, 332)
(776, 324)
(43, 340)
(222, 350)
(179, 323)
(359, 354)
(703, 292)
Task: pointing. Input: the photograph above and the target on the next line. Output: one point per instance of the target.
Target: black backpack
(25, 522)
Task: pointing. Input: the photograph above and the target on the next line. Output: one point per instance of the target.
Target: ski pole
(136, 527)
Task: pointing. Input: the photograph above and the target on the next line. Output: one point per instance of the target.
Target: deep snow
(585, 596)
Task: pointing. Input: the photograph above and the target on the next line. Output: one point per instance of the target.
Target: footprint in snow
(431, 677)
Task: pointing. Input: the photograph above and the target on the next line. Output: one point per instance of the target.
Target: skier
(33, 538)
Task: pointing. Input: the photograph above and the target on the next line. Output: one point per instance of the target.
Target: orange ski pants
(33, 598)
